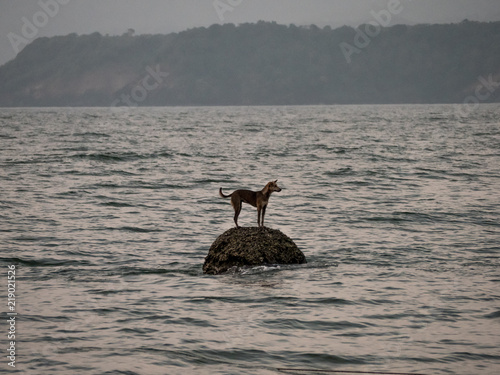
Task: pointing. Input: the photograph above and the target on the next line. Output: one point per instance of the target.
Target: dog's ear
(275, 181)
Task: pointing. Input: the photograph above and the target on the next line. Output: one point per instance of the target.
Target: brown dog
(257, 199)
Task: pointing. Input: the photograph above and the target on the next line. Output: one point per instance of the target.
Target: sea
(107, 214)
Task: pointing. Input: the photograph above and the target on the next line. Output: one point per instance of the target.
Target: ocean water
(108, 214)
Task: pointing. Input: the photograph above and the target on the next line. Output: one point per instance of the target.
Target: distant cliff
(263, 63)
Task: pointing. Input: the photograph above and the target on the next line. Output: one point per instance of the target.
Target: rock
(251, 246)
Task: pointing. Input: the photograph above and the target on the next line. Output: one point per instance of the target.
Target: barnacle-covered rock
(251, 246)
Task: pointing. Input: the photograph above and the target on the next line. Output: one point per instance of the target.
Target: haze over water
(108, 215)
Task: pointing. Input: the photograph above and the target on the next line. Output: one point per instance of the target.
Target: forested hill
(263, 63)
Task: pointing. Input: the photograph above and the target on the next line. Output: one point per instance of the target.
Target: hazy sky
(22, 21)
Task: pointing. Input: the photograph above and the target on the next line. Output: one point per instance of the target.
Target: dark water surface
(108, 215)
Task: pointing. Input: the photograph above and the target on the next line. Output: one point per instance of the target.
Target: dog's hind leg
(237, 209)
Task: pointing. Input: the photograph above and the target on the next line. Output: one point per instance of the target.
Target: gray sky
(22, 21)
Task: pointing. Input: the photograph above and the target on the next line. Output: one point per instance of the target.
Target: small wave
(437, 118)
(324, 358)
(46, 319)
(321, 325)
(172, 268)
(359, 183)
(466, 356)
(376, 301)
(252, 270)
(116, 204)
(205, 181)
(403, 216)
(92, 134)
(137, 331)
(6, 136)
(136, 229)
(330, 301)
(265, 268)
(25, 238)
(493, 315)
(133, 185)
(120, 157)
(395, 317)
(46, 262)
(347, 171)
(106, 157)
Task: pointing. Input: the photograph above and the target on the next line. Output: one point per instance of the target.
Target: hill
(263, 63)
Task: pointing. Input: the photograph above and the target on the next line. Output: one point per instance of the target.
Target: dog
(258, 199)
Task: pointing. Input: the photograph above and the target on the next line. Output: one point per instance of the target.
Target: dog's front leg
(263, 213)
(259, 210)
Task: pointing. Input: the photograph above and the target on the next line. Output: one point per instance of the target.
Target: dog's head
(273, 186)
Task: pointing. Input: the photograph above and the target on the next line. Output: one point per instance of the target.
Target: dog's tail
(222, 195)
